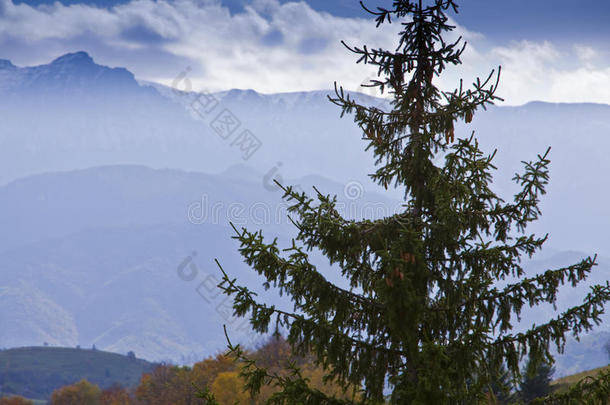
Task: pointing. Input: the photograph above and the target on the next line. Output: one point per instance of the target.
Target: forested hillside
(35, 372)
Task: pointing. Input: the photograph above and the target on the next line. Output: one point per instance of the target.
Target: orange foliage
(15, 400)
(115, 395)
(204, 372)
(170, 385)
(174, 385)
(156, 388)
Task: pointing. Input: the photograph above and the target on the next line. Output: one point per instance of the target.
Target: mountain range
(92, 256)
(114, 192)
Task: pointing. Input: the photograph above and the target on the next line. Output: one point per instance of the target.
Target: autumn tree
(276, 356)
(424, 316)
(275, 353)
(115, 395)
(204, 372)
(228, 389)
(167, 384)
(82, 392)
(153, 386)
(15, 400)
(225, 385)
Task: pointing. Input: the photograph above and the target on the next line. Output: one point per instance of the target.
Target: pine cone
(469, 116)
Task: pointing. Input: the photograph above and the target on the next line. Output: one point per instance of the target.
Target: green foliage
(501, 386)
(35, 372)
(424, 313)
(83, 392)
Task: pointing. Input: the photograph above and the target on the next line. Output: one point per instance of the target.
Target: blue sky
(276, 45)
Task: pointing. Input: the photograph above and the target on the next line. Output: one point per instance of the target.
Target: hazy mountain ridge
(108, 242)
(66, 74)
(73, 114)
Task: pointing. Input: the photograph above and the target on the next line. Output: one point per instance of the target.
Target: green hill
(564, 383)
(34, 372)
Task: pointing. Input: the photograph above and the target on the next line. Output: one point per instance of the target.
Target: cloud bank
(273, 47)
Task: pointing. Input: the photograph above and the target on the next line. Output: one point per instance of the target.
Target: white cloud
(585, 53)
(54, 21)
(546, 72)
(275, 47)
(522, 65)
(581, 85)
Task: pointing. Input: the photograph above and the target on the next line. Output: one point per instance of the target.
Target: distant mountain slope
(574, 210)
(59, 204)
(34, 372)
(120, 290)
(584, 355)
(91, 256)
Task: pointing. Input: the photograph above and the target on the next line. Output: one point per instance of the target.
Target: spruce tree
(424, 320)
(501, 387)
(536, 381)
